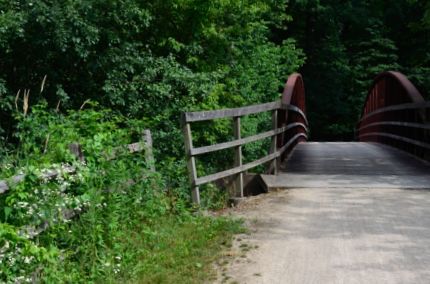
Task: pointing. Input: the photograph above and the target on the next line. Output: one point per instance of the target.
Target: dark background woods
(152, 59)
(346, 44)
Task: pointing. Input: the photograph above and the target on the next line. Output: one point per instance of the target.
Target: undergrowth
(111, 221)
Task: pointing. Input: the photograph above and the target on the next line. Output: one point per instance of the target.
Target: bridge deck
(347, 223)
(339, 164)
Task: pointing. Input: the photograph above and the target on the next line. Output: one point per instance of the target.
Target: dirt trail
(333, 235)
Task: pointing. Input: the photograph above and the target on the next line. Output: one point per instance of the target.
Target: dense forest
(347, 43)
(99, 72)
(132, 56)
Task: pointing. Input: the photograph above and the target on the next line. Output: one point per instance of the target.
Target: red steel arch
(294, 92)
(293, 95)
(395, 113)
(390, 88)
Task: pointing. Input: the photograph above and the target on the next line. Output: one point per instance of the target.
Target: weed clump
(105, 218)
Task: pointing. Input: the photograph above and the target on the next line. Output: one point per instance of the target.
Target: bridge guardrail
(396, 114)
(239, 168)
(402, 135)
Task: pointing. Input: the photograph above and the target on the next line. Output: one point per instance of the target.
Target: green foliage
(122, 66)
(19, 257)
(133, 55)
(112, 221)
(347, 43)
(373, 56)
(147, 60)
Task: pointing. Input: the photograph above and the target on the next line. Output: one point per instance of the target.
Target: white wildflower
(5, 247)
(28, 259)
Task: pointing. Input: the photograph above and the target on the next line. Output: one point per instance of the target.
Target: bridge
(392, 147)
(354, 212)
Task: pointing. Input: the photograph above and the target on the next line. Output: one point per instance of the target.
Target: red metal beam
(391, 89)
(293, 94)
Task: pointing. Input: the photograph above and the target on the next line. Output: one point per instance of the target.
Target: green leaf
(7, 211)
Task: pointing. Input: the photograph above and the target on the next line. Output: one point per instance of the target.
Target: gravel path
(334, 235)
(352, 213)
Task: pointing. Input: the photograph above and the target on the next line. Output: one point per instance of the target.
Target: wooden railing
(143, 146)
(275, 153)
(396, 114)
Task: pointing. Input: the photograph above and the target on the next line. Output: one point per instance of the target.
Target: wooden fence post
(76, 150)
(273, 146)
(149, 155)
(191, 162)
(238, 156)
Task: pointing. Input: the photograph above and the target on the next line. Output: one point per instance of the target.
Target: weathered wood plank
(239, 169)
(230, 112)
(76, 149)
(149, 155)
(132, 148)
(3, 186)
(236, 170)
(31, 231)
(243, 141)
(15, 179)
(238, 157)
(273, 145)
(231, 144)
(397, 137)
(50, 174)
(191, 162)
(136, 147)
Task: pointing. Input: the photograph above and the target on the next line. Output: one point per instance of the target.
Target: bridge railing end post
(273, 147)
(191, 161)
(238, 157)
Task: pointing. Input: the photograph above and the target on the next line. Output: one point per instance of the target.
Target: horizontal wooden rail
(48, 174)
(399, 138)
(243, 141)
(230, 112)
(236, 170)
(408, 106)
(248, 166)
(238, 142)
(145, 145)
(31, 231)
